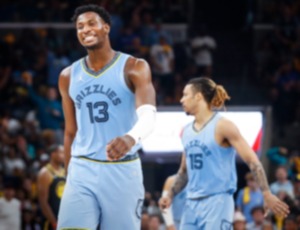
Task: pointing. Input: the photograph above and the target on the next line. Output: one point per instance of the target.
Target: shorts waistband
(126, 159)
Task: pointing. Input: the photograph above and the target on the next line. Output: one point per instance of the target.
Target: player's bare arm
(180, 182)
(227, 131)
(69, 113)
(43, 183)
(138, 78)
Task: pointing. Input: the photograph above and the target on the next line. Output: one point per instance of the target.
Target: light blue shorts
(109, 195)
(211, 213)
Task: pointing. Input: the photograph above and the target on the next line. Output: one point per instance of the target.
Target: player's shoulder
(66, 72)
(44, 172)
(136, 64)
(226, 126)
(224, 122)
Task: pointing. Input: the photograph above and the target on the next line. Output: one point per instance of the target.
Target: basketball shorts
(211, 213)
(105, 194)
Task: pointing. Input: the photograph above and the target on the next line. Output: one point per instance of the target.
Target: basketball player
(51, 183)
(109, 107)
(208, 162)
(173, 214)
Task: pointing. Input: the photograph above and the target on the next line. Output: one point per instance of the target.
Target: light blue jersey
(101, 193)
(212, 179)
(211, 167)
(105, 106)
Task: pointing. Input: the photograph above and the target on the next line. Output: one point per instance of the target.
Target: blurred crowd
(31, 116)
(278, 59)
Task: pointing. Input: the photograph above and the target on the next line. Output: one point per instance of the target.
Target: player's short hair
(53, 148)
(92, 8)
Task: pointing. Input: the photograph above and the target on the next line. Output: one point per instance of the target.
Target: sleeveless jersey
(211, 167)
(105, 106)
(56, 189)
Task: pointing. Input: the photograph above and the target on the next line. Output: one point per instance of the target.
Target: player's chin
(185, 110)
(91, 46)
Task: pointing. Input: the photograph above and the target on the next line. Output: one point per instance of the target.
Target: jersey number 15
(196, 161)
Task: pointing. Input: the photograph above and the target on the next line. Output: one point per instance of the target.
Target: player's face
(188, 100)
(91, 30)
(59, 155)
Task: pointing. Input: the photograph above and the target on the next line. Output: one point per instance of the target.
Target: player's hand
(118, 147)
(164, 202)
(275, 205)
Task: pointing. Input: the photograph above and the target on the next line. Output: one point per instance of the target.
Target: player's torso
(211, 167)
(105, 106)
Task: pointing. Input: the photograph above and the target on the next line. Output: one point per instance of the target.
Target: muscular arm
(43, 183)
(69, 114)
(139, 80)
(181, 179)
(226, 130)
(231, 133)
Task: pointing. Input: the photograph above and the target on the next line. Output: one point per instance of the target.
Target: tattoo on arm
(259, 175)
(180, 183)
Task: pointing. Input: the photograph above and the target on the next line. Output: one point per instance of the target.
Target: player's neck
(55, 166)
(202, 117)
(98, 58)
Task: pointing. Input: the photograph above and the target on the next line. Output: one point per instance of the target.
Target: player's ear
(106, 28)
(198, 95)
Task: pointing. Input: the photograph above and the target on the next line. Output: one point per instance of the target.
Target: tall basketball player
(109, 107)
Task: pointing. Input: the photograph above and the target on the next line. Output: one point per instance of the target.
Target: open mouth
(89, 38)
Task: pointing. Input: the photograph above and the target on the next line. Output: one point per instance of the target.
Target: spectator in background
(56, 61)
(239, 221)
(49, 108)
(136, 48)
(148, 33)
(287, 29)
(290, 223)
(249, 197)
(155, 222)
(10, 210)
(14, 165)
(202, 47)
(28, 221)
(282, 183)
(257, 219)
(279, 220)
(278, 156)
(126, 39)
(145, 220)
(162, 62)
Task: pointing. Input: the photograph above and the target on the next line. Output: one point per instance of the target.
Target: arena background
(255, 55)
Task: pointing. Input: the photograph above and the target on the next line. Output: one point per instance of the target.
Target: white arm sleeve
(167, 213)
(145, 123)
